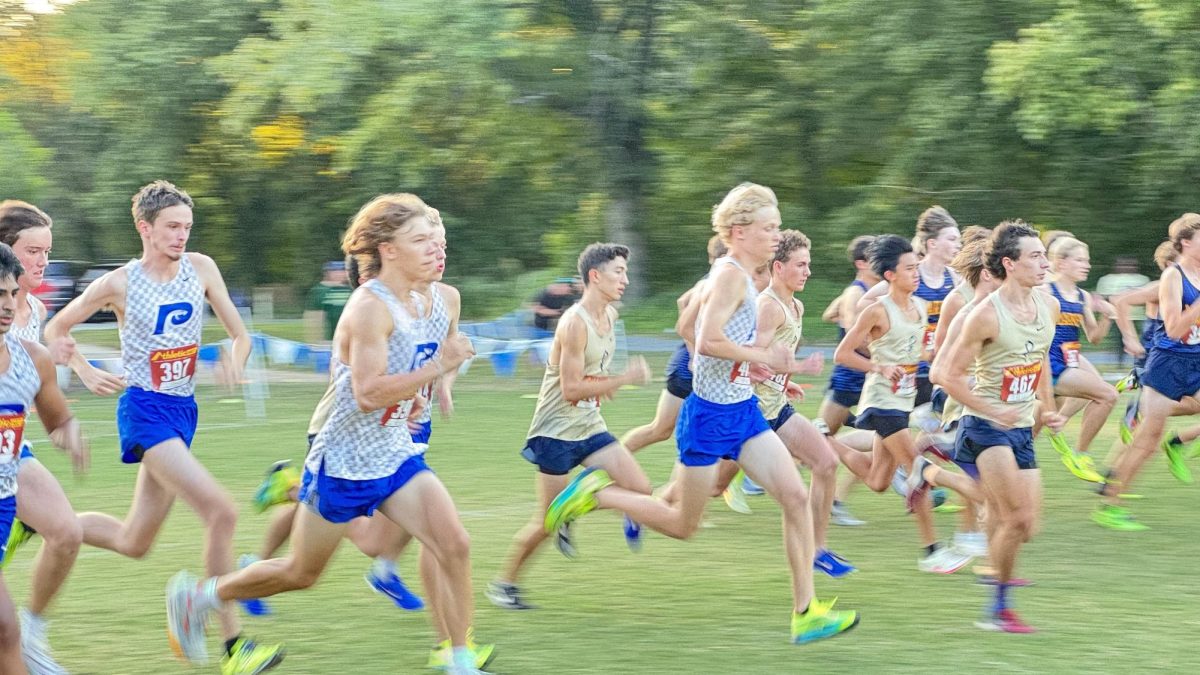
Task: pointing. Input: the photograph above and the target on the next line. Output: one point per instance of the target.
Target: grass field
(1104, 601)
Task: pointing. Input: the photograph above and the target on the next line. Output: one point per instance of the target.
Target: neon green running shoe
(821, 621)
(1079, 464)
(577, 499)
(249, 658)
(17, 535)
(735, 495)
(948, 507)
(1087, 467)
(1117, 518)
(441, 656)
(1176, 463)
(274, 489)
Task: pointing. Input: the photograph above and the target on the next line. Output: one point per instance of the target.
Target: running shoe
(971, 543)
(821, 621)
(916, 483)
(832, 564)
(577, 499)
(1129, 382)
(253, 606)
(840, 515)
(393, 588)
(1005, 620)
(441, 656)
(18, 534)
(900, 481)
(274, 489)
(940, 445)
(565, 543)
(506, 596)
(633, 535)
(735, 495)
(1130, 420)
(1117, 518)
(250, 658)
(1079, 464)
(750, 488)
(35, 648)
(1176, 463)
(185, 621)
(944, 560)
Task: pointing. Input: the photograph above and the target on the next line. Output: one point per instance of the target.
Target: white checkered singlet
(433, 330)
(721, 380)
(31, 331)
(160, 336)
(18, 385)
(357, 445)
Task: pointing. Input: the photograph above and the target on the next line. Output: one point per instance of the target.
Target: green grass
(720, 603)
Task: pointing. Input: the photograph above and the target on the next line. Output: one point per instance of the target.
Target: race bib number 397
(12, 431)
(1020, 383)
(173, 368)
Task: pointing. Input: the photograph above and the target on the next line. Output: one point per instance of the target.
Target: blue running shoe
(253, 606)
(751, 488)
(395, 589)
(832, 564)
(633, 535)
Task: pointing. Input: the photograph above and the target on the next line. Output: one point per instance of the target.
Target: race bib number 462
(173, 368)
(12, 431)
(1020, 383)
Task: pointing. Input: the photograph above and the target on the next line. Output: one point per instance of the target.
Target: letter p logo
(177, 312)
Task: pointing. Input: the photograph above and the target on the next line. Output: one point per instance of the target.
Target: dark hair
(790, 241)
(16, 217)
(857, 250)
(10, 266)
(154, 197)
(597, 254)
(352, 273)
(1006, 243)
(716, 248)
(932, 221)
(884, 253)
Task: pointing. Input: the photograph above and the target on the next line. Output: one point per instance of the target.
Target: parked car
(91, 274)
(58, 283)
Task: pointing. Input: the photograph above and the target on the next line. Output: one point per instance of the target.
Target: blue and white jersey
(721, 380)
(160, 335)
(1190, 344)
(432, 331)
(357, 445)
(18, 385)
(31, 331)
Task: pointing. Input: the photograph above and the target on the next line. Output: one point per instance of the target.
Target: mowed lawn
(1103, 601)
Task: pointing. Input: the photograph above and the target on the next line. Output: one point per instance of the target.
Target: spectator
(551, 304)
(325, 303)
(1123, 277)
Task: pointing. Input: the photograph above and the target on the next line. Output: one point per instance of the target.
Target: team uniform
(1173, 366)
(359, 459)
(885, 404)
(160, 340)
(563, 433)
(1007, 371)
(1064, 348)
(679, 372)
(933, 297)
(722, 413)
(845, 383)
(772, 392)
(18, 387)
(31, 331)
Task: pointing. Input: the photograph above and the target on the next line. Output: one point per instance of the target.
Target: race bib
(906, 386)
(173, 368)
(395, 415)
(593, 402)
(1070, 354)
(1020, 382)
(12, 431)
(1193, 336)
(740, 373)
(928, 338)
(778, 382)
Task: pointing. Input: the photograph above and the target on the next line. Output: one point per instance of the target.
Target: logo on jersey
(177, 312)
(424, 354)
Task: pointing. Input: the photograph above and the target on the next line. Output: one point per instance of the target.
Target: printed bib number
(395, 415)
(12, 431)
(906, 386)
(1070, 354)
(1020, 382)
(740, 373)
(928, 338)
(778, 382)
(1193, 336)
(593, 402)
(173, 368)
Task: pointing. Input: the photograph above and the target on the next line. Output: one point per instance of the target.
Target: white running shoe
(840, 515)
(35, 648)
(945, 560)
(185, 620)
(973, 544)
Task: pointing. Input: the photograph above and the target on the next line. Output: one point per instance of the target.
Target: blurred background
(538, 127)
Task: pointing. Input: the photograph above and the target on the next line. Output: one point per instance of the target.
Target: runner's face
(441, 239)
(1030, 269)
(168, 234)
(33, 250)
(761, 237)
(611, 278)
(907, 275)
(1076, 266)
(945, 246)
(418, 249)
(8, 302)
(796, 270)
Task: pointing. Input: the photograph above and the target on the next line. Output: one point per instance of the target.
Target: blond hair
(971, 260)
(1183, 228)
(738, 207)
(1165, 254)
(1063, 246)
(932, 221)
(376, 223)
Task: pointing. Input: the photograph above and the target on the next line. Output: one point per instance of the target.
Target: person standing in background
(1123, 277)
(325, 302)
